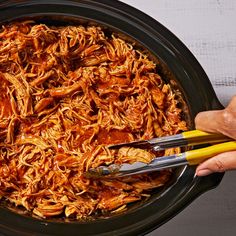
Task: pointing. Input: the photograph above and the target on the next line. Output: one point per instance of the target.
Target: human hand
(224, 122)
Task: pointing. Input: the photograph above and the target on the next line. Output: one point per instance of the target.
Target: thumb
(219, 163)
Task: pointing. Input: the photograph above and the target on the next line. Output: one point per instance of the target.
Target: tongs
(191, 157)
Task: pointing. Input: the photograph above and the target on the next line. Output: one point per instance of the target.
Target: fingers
(220, 163)
(208, 121)
(222, 121)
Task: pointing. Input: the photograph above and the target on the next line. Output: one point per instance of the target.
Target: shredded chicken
(65, 94)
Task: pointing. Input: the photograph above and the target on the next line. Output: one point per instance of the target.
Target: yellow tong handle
(195, 137)
(197, 156)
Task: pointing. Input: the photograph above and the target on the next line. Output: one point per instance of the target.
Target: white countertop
(207, 28)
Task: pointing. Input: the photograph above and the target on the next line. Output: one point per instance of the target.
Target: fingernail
(204, 172)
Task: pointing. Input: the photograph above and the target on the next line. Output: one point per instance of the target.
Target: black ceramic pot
(176, 61)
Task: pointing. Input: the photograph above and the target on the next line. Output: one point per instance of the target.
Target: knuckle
(220, 167)
(228, 118)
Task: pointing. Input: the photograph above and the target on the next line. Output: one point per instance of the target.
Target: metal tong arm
(188, 138)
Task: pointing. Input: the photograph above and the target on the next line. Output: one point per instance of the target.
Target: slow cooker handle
(203, 184)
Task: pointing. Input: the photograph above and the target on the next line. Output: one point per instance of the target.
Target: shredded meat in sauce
(65, 93)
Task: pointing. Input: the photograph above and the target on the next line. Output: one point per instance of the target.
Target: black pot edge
(193, 194)
(196, 190)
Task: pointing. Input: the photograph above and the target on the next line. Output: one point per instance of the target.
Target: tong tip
(102, 171)
(115, 170)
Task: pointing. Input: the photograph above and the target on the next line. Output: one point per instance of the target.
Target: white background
(208, 29)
